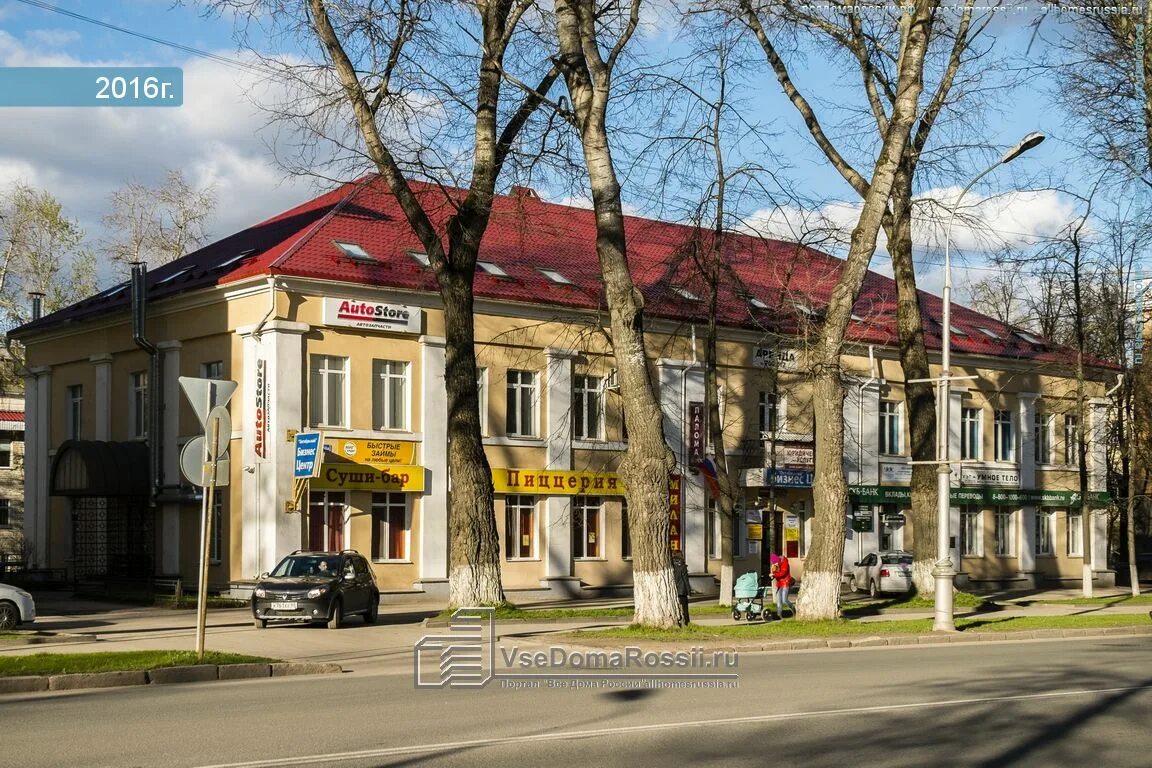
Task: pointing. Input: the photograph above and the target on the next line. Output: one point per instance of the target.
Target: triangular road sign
(206, 394)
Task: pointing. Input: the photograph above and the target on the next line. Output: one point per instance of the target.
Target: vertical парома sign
(695, 435)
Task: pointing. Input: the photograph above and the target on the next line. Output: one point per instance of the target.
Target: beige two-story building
(328, 319)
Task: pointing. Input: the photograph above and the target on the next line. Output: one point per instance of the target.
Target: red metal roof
(527, 234)
(11, 415)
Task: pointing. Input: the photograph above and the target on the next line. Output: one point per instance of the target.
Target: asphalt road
(1030, 703)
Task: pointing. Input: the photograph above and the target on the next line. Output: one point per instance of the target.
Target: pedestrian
(782, 579)
(683, 586)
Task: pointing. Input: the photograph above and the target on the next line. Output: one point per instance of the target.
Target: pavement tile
(195, 673)
(96, 680)
(23, 684)
(244, 671)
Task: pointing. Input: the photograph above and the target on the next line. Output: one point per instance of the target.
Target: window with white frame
(971, 531)
(482, 396)
(74, 412)
(971, 436)
(519, 527)
(891, 434)
(586, 512)
(138, 415)
(587, 408)
(769, 412)
(391, 526)
(1075, 534)
(1005, 532)
(213, 369)
(327, 384)
(521, 409)
(1043, 438)
(1045, 531)
(1071, 439)
(389, 394)
(1004, 435)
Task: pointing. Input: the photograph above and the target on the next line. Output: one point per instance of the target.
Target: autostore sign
(381, 316)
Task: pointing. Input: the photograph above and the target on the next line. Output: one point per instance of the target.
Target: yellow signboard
(374, 453)
(557, 482)
(338, 476)
(791, 534)
(755, 531)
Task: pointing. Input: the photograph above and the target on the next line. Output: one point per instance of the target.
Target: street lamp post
(945, 570)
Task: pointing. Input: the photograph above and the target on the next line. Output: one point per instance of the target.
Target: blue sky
(217, 137)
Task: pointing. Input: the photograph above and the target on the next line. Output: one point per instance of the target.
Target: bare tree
(820, 594)
(415, 88)
(156, 224)
(41, 251)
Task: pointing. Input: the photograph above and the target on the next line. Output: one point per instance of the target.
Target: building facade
(328, 319)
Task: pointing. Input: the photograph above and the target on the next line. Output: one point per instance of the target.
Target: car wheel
(260, 623)
(852, 585)
(336, 620)
(9, 616)
(873, 590)
(373, 611)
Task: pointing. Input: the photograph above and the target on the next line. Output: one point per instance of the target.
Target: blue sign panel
(789, 478)
(91, 87)
(307, 463)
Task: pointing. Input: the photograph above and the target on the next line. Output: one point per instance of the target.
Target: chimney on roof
(523, 193)
(37, 302)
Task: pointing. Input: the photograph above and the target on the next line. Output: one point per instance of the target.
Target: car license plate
(283, 606)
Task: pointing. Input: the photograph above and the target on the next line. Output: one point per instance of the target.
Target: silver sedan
(882, 572)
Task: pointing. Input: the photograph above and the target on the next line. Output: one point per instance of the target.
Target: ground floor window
(970, 532)
(1005, 532)
(391, 525)
(1075, 533)
(586, 526)
(217, 550)
(5, 513)
(713, 531)
(326, 520)
(1045, 531)
(519, 526)
(625, 531)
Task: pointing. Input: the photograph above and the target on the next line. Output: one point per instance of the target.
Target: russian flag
(708, 469)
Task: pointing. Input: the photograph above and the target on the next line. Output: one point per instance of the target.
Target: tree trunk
(920, 398)
(824, 564)
(647, 461)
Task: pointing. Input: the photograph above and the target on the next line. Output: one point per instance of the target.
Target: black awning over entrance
(98, 468)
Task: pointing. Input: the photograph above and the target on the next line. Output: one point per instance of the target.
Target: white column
(37, 395)
(171, 398)
(1097, 436)
(557, 509)
(955, 413)
(268, 532)
(1026, 413)
(861, 433)
(433, 550)
(693, 518)
(102, 401)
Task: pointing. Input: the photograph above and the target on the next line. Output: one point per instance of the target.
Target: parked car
(882, 572)
(317, 587)
(16, 607)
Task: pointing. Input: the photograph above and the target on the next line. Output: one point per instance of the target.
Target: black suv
(317, 587)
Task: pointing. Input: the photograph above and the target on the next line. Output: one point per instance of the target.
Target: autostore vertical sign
(261, 408)
(695, 435)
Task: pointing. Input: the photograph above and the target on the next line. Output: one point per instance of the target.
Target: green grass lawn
(793, 630)
(122, 661)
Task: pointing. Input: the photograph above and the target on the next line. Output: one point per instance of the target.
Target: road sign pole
(205, 539)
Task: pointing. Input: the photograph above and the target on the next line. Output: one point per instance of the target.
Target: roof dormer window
(354, 251)
(555, 277)
(989, 333)
(421, 257)
(685, 293)
(491, 269)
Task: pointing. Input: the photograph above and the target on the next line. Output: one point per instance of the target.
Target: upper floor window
(1072, 439)
(970, 434)
(890, 430)
(588, 408)
(521, 412)
(1043, 441)
(74, 411)
(138, 414)
(327, 382)
(1005, 436)
(769, 412)
(214, 369)
(389, 394)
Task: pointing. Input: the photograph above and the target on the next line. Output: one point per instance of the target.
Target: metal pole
(945, 570)
(205, 539)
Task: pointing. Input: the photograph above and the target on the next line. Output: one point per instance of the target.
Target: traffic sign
(218, 431)
(195, 465)
(206, 394)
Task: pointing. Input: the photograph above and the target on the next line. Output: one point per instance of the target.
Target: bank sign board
(373, 315)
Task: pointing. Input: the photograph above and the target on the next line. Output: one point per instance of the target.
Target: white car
(16, 607)
(882, 572)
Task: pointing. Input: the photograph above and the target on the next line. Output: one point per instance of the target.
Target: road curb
(194, 673)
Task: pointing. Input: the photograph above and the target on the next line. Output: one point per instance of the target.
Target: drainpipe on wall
(155, 374)
(271, 306)
(860, 435)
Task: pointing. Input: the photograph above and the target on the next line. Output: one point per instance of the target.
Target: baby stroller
(748, 597)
